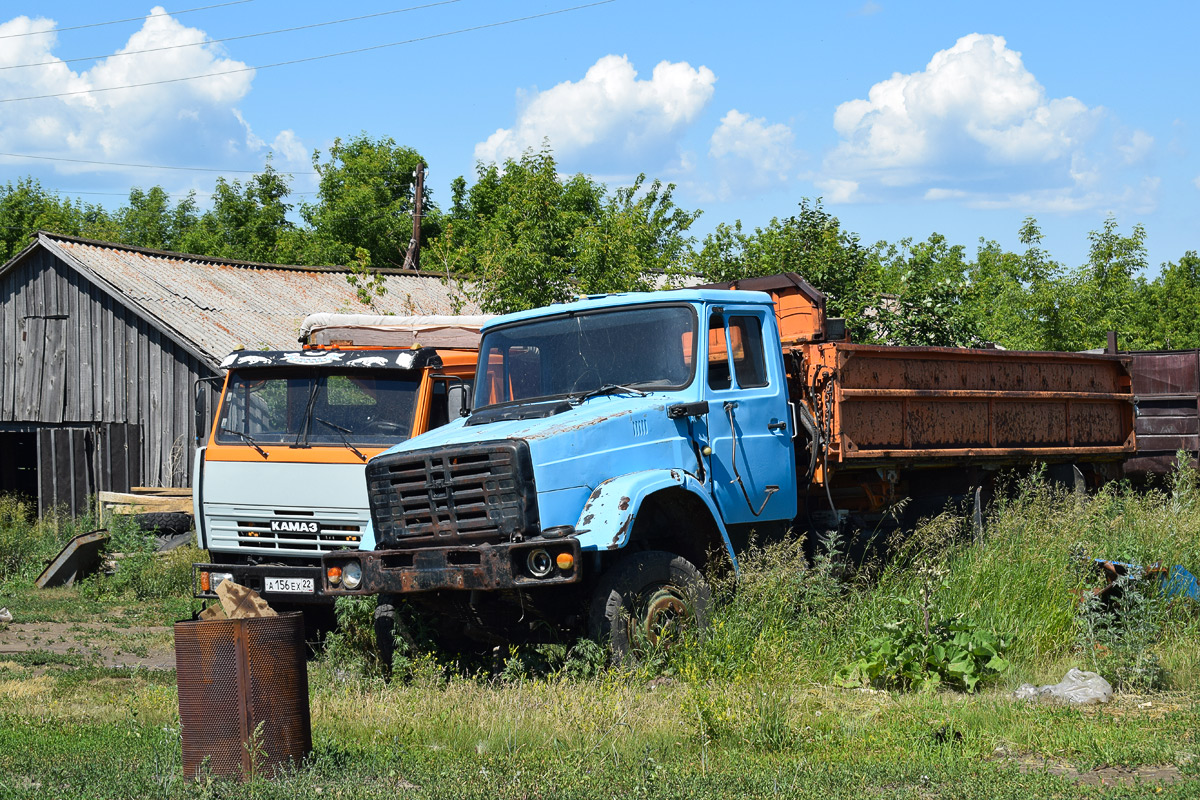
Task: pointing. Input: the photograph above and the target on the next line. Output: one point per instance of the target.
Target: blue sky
(908, 118)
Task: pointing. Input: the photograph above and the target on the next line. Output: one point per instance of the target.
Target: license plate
(292, 585)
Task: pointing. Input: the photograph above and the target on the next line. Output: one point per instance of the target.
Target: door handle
(777, 426)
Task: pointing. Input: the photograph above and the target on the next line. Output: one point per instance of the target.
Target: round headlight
(352, 575)
(539, 563)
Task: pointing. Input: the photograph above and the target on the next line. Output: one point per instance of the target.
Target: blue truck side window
(749, 360)
(719, 376)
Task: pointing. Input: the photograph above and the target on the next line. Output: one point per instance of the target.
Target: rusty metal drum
(243, 695)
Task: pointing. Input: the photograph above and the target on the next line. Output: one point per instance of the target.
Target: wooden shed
(107, 350)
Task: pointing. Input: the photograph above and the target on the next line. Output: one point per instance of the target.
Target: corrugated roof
(216, 305)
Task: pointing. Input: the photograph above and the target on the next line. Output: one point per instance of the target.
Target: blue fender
(367, 540)
(607, 518)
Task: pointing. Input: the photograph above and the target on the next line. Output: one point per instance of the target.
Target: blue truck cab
(616, 448)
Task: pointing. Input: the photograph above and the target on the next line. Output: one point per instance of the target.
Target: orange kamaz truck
(280, 480)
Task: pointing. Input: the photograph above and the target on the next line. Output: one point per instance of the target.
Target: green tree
(248, 222)
(1016, 299)
(365, 200)
(149, 221)
(25, 208)
(813, 244)
(639, 235)
(1107, 292)
(527, 237)
(929, 300)
(1172, 301)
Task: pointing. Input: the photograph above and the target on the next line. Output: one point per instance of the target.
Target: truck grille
(256, 533)
(461, 494)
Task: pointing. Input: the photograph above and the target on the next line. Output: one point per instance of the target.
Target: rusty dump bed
(1166, 385)
(929, 404)
(877, 405)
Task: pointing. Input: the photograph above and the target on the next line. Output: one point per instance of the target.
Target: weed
(29, 542)
(353, 643)
(1118, 637)
(912, 654)
(770, 729)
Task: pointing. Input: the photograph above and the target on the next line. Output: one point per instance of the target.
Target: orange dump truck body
(879, 406)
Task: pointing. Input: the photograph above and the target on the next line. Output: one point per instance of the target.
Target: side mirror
(458, 397)
(458, 394)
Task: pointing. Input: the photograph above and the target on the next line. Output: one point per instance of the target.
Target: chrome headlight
(539, 563)
(352, 575)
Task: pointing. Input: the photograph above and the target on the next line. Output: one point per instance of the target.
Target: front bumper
(465, 567)
(255, 577)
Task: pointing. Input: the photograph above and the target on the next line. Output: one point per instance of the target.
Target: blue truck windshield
(328, 409)
(651, 348)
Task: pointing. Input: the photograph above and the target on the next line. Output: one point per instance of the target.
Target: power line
(199, 192)
(148, 166)
(314, 58)
(231, 38)
(128, 19)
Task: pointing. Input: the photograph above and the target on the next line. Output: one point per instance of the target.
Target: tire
(165, 523)
(643, 596)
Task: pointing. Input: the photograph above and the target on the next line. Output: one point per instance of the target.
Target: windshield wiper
(608, 388)
(306, 426)
(249, 439)
(342, 433)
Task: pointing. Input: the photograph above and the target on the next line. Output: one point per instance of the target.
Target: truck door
(749, 421)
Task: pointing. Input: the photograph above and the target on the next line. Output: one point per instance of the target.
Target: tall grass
(792, 622)
(29, 542)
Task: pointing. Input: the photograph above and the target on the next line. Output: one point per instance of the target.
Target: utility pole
(412, 258)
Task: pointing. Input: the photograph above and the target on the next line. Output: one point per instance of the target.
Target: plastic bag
(1078, 687)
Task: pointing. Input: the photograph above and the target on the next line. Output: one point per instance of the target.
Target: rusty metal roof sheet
(216, 304)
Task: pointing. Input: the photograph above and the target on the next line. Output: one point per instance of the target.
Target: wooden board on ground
(141, 501)
(80, 557)
(181, 506)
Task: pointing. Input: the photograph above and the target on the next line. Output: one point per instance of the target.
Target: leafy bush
(909, 655)
(140, 571)
(584, 660)
(352, 645)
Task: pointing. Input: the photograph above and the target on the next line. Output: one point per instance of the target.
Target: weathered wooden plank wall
(72, 355)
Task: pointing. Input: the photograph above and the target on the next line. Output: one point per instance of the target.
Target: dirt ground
(93, 643)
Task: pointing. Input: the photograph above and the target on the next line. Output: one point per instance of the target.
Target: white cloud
(836, 190)
(1135, 146)
(975, 96)
(975, 125)
(938, 193)
(253, 140)
(289, 146)
(765, 149)
(1139, 198)
(609, 116)
(171, 123)
(1196, 181)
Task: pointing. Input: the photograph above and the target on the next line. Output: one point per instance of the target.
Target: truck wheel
(168, 523)
(644, 599)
